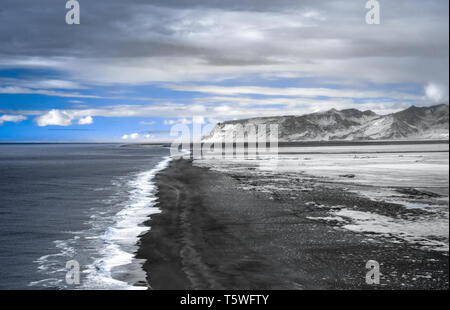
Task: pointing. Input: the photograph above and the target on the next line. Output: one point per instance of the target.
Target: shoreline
(211, 234)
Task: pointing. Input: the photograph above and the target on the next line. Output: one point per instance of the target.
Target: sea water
(82, 202)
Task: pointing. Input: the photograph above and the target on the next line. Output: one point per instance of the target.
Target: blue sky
(130, 72)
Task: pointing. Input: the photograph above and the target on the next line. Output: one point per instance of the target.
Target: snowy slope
(350, 124)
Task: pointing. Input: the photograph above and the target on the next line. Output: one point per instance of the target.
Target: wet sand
(211, 234)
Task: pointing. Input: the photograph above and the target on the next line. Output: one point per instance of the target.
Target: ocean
(82, 202)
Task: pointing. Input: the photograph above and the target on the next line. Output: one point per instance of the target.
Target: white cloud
(184, 121)
(57, 84)
(54, 117)
(289, 91)
(214, 121)
(137, 137)
(132, 136)
(45, 92)
(169, 122)
(198, 119)
(86, 120)
(18, 90)
(147, 122)
(12, 118)
(436, 93)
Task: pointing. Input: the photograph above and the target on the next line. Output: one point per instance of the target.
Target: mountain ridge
(348, 124)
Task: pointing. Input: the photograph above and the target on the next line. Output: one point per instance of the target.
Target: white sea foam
(120, 239)
(111, 242)
(51, 264)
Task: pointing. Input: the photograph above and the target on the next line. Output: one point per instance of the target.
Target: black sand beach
(213, 235)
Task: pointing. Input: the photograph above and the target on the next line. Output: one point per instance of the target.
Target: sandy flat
(213, 234)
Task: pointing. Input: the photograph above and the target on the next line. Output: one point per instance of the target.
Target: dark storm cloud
(37, 28)
(163, 40)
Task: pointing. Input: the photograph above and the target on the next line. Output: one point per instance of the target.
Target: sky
(131, 70)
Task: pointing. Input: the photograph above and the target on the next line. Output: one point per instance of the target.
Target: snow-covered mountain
(351, 124)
